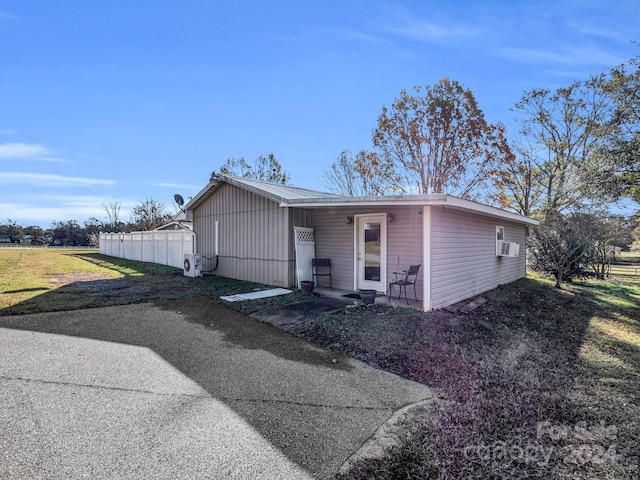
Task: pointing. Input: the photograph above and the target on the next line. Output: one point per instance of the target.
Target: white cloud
(567, 55)
(432, 31)
(179, 186)
(351, 34)
(43, 210)
(26, 151)
(7, 16)
(22, 150)
(31, 214)
(598, 31)
(49, 180)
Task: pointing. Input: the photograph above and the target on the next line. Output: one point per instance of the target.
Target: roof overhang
(447, 201)
(202, 195)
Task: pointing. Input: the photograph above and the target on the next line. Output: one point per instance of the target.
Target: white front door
(371, 252)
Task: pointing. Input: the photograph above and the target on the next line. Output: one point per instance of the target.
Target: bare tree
(566, 127)
(519, 186)
(112, 210)
(344, 178)
(149, 214)
(617, 168)
(267, 169)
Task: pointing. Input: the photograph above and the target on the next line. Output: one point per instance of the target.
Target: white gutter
(387, 200)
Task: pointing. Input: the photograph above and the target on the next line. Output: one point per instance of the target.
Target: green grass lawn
(27, 273)
(51, 279)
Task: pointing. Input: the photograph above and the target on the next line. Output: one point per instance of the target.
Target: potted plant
(367, 297)
(306, 287)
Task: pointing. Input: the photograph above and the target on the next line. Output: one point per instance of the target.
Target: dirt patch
(515, 374)
(79, 277)
(99, 283)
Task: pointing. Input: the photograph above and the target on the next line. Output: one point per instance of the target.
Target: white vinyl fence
(166, 247)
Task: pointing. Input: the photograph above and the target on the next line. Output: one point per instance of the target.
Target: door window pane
(372, 251)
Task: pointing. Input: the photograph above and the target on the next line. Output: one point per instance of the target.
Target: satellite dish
(178, 198)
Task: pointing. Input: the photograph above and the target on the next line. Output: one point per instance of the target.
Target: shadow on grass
(24, 290)
(126, 267)
(136, 282)
(180, 319)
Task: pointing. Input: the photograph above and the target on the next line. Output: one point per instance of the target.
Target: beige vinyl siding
(463, 255)
(404, 245)
(335, 240)
(253, 243)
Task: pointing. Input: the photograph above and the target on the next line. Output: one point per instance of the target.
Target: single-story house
(246, 229)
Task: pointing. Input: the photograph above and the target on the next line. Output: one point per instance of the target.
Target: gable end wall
(255, 236)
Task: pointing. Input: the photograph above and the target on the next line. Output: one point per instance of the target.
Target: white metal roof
(277, 193)
(288, 196)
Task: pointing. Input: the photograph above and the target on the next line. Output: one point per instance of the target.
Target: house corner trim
(426, 255)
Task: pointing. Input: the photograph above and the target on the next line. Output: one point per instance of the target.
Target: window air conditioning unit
(508, 249)
(192, 265)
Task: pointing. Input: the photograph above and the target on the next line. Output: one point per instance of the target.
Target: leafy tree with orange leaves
(437, 141)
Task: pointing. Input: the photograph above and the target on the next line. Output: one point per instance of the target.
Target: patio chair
(403, 280)
(321, 267)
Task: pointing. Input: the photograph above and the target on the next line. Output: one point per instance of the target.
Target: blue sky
(120, 101)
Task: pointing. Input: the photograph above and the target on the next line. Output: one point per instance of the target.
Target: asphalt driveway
(184, 389)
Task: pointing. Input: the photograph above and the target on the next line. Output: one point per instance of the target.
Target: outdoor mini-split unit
(192, 265)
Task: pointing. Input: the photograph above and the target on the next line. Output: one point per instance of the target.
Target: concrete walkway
(188, 389)
(300, 312)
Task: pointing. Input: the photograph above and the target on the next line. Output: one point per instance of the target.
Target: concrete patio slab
(299, 312)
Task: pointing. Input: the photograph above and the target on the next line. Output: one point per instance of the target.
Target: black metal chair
(321, 267)
(404, 279)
